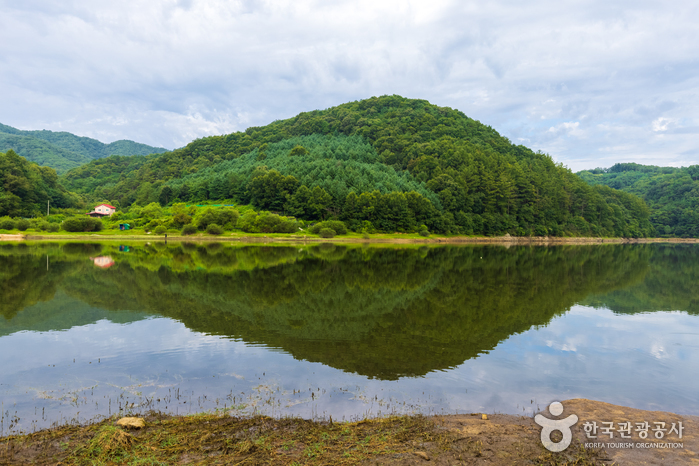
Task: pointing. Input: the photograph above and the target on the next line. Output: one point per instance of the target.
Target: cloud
(167, 71)
(661, 124)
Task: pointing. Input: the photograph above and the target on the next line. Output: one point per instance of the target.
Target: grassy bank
(213, 439)
(395, 238)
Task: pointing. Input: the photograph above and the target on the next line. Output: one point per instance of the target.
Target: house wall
(105, 210)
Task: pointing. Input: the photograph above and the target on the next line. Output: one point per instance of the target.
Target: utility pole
(48, 208)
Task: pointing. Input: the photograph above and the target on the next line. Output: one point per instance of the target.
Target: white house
(102, 210)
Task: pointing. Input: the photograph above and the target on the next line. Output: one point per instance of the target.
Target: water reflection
(218, 316)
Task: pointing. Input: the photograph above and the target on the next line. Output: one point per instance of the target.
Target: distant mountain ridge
(671, 193)
(64, 151)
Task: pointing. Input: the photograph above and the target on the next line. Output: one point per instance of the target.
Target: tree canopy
(672, 194)
(25, 187)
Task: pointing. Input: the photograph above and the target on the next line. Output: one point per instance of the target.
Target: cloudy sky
(590, 82)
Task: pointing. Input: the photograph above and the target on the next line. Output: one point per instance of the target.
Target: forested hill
(388, 162)
(63, 151)
(25, 187)
(671, 193)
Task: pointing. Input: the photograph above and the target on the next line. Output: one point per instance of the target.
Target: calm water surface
(90, 330)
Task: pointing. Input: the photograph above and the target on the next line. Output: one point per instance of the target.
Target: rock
(422, 455)
(131, 422)
(484, 417)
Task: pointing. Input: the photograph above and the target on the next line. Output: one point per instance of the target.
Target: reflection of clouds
(636, 360)
(659, 351)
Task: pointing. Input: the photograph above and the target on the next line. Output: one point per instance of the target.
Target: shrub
(367, 227)
(152, 225)
(424, 233)
(214, 229)
(336, 225)
(160, 230)
(54, 227)
(78, 224)
(44, 225)
(327, 233)
(248, 222)
(188, 229)
(93, 224)
(22, 225)
(7, 224)
(267, 222)
(181, 219)
(218, 216)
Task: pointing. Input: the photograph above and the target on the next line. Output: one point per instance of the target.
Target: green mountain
(388, 163)
(25, 187)
(671, 193)
(63, 151)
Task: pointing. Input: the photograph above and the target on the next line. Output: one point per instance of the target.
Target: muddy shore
(493, 439)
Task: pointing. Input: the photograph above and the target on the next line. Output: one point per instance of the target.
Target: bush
(424, 233)
(44, 225)
(218, 216)
(152, 225)
(336, 225)
(78, 224)
(54, 227)
(181, 219)
(7, 224)
(22, 225)
(160, 230)
(367, 227)
(327, 233)
(267, 222)
(214, 229)
(188, 229)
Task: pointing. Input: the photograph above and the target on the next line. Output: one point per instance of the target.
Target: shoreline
(386, 239)
(498, 439)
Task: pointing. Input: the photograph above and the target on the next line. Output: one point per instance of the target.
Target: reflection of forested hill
(381, 312)
(62, 313)
(671, 284)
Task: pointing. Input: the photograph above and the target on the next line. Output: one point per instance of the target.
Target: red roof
(107, 205)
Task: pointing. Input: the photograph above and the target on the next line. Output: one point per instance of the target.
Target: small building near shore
(102, 210)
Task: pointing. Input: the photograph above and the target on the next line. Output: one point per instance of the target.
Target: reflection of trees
(671, 284)
(384, 313)
(381, 312)
(24, 279)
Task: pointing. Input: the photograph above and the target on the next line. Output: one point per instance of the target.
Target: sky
(591, 83)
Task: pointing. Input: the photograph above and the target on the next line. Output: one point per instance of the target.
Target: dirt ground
(408, 440)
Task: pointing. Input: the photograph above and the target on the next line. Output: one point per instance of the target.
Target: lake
(96, 329)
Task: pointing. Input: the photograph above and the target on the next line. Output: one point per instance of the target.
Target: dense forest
(671, 193)
(378, 311)
(63, 151)
(26, 188)
(386, 164)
